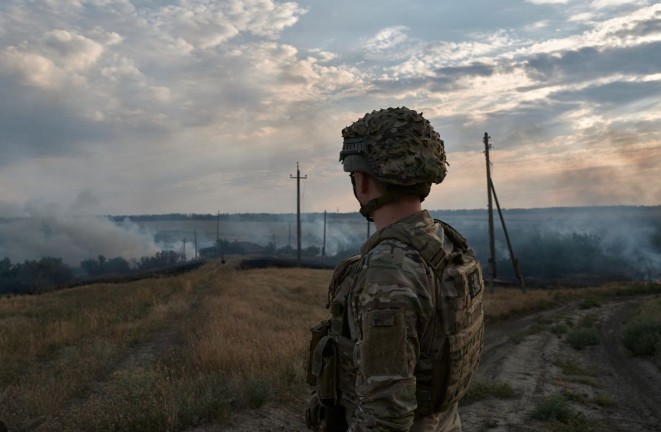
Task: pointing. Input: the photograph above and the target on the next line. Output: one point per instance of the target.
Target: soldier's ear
(364, 182)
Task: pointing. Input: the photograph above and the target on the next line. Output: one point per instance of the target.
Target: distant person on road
(406, 326)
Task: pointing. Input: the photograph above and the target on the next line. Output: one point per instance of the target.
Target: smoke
(628, 238)
(48, 231)
(342, 231)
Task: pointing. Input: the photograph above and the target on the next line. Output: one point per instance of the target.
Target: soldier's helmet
(396, 146)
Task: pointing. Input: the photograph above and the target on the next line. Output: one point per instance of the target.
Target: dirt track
(613, 390)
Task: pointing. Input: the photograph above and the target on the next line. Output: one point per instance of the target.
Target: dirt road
(602, 385)
(612, 390)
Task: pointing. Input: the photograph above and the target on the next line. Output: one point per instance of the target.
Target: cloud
(614, 94)
(541, 2)
(55, 57)
(387, 43)
(138, 73)
(206, 25)
(187, 105)
(602, 4)
(590, 63)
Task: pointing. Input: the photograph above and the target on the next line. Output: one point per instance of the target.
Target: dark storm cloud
(527, 124)
(36, 123)
(473, 69)
(444, 79)
(611, 95)
(641, 29)
(589, 63)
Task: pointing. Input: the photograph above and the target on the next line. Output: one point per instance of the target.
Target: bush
(258, 392)
(588, 303)
(582, 337)
(560, 415)
(554, 408)
(560, 329)
(642, 336)
(481, 389)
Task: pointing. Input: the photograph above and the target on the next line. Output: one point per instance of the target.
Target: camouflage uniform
(407, 323)
(391, 306)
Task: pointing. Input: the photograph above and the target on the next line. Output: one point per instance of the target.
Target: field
(224, 349)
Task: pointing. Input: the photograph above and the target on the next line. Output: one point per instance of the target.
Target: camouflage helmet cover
(395, 145)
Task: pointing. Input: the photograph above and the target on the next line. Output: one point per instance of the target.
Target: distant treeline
(241, 217)
(45, 274)
(546, 212)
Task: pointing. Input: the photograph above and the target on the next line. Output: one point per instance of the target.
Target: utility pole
(182, 252)
(492, 244)
(491, 191)
(218, 234)
(195, 242)
(298, 211)
(323, 248)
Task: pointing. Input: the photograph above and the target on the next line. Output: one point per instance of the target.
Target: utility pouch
(321, 418)
(318, 331)
(334, 419)
(314, 414)
(324, 369)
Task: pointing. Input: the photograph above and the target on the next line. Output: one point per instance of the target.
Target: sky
(145, 106)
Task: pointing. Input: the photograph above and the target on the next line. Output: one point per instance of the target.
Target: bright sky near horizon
(146, 106)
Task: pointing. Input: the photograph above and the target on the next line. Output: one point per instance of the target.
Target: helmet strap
(393, 192)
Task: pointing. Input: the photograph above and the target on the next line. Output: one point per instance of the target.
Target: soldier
(406, 326)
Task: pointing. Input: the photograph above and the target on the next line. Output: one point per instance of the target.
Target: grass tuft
(582, 337)
(558, 413)
(603, 400)
(480, 389)
(570, 367)
(642, 335)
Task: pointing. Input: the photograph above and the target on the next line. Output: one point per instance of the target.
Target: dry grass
(156, 354)
(505, 303)
(167, 354)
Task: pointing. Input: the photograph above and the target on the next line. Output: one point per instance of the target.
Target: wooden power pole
(298, 211)
(323, 247)
(491, 192)
(492, 244)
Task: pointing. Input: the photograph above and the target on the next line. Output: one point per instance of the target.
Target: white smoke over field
(49, 232)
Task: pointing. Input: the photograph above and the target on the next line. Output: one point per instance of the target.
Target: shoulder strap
(433, 249)
(340, 273)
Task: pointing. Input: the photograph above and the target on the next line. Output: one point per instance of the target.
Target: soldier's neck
(395, 211)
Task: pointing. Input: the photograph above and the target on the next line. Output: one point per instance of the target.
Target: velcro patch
(383, 350)
(474, 283)
(383, 318)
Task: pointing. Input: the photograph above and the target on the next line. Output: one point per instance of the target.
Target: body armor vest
(450, 348)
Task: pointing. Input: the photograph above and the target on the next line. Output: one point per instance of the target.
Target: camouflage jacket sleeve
(392, 305)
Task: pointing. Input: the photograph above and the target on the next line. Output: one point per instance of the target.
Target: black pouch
(321, 418)
(318, 331)
(314, 414)
(324, 369)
